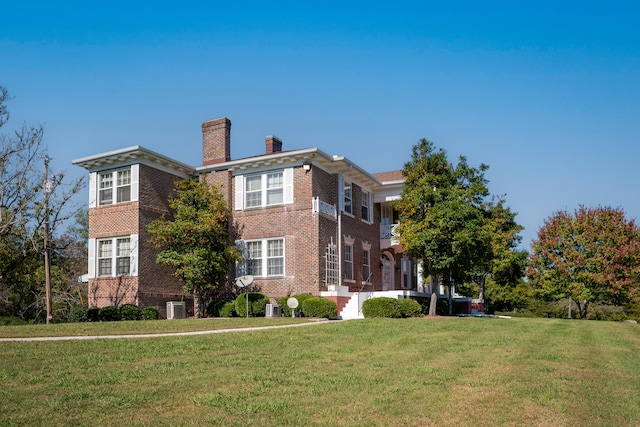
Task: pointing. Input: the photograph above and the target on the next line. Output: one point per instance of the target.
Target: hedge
(391, 307)
(228, 309)
(320, 307)
(257, 304)
(130, 312)
(286, 311)
(409, 308)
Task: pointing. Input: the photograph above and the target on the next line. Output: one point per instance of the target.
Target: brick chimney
(274, 144)
(216, 141)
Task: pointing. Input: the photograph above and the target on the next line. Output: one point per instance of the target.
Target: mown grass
(374, 372)
(140, 327)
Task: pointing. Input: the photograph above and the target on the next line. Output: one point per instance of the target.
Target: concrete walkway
(167, 334)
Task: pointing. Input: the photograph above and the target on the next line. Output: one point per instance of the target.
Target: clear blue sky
(546, 93)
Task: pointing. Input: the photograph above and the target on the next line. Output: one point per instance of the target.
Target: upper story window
(366, 206)
(347, 193)
(267, 189)
(118, 182)
(116, 186)
(114, 256)
(264, 190)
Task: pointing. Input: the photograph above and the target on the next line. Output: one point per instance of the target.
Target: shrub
(214, 307)
(286, 311)
(77, 314)
(150, 313)
(381, 307)
(11, 321)
(109, 314)
(320, 307)
(257, 303)
(442, 307)
(409, 308)
(130, 312)
(228, 309)
(93, 314)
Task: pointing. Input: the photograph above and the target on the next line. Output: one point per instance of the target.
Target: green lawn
(372, 372)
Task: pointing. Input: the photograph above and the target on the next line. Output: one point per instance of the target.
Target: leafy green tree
(443, 217)
(505, 264)
(196, 242)
(590, 256)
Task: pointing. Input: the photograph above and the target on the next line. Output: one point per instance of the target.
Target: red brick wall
(154, 284)
(298, 225)
(307, 235)
(216, 141)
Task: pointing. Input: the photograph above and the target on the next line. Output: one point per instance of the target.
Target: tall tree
(196, 242)
(590, 256)
(442, 213)
(505, 263)
(23, 212)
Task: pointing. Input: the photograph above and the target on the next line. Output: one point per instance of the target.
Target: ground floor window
(265, 256)
(115, 256)
(348, 262)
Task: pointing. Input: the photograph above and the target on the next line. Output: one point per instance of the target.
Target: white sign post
(293, 304)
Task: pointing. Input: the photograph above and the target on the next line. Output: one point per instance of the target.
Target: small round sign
(292, 302)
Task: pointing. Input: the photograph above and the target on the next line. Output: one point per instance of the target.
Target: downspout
(339, 247)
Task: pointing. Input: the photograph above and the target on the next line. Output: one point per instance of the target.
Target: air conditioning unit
(272, 310)
(176, 310)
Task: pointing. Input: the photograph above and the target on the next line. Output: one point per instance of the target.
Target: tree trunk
(197, 305)
(433, 304)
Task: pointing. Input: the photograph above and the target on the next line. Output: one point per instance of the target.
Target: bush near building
(286, 311)
(257, 304)
(391, 307)
(320, 307)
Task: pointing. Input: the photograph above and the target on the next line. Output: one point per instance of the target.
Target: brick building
(308, 222)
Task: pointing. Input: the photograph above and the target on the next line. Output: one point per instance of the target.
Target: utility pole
(47, 261)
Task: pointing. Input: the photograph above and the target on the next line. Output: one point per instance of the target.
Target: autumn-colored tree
(591, 256)
(196, 242)
(443, 217)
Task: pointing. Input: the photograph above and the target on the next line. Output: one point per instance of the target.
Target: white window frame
(282, 191)
(260, 258)
(347, 196)
(117, 252)
(367, 209)
(114, 186)
(366, 262)
(348, 262)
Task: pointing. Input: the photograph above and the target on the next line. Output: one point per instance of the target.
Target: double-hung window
(123, 256)
(254, 258)
(348, 262)
(275, 257)
(105, 257)
(366, 206)
(265, 256)
(118, 182)
(348, 208)
(366, 265)
(253, 191)
(113, 256)
(267, 189)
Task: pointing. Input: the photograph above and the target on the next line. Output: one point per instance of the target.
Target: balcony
(389, 237)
